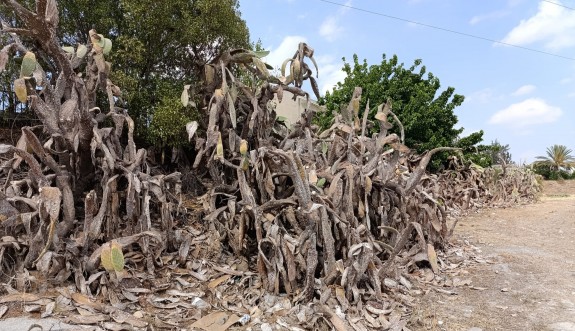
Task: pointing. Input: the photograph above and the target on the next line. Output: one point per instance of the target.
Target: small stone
(32, 308)
(468, 313)
(244, 319)
(199, 303)
(390, 283)
(475, 329)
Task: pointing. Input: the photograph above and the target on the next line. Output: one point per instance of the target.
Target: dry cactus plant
(334, 220)
(85, 183)
(326, 213)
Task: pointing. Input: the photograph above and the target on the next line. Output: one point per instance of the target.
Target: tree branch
(20, 10)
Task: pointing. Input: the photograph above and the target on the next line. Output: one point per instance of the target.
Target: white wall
(291, 109)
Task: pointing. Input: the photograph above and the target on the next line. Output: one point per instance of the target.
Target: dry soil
(525, 275)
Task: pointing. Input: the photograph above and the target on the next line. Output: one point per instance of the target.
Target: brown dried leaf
(87, 319)
(209, 72)
(20, 90)
(261, 66)
(19, 297)
(214, 283)
(122, 317)
(335, 320)
(83, 300)
(51, 14)
(4, 58)
(219, 321)
(432, 257)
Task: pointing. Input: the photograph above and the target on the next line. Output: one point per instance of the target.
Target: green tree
(425, 111)
(558, 156)
(158, 46)
(500, 154)
(487, 155)
(13, 112)
(473, 152)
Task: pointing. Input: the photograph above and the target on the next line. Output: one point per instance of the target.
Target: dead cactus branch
(358, 208)
(331, 218)
(78, 167)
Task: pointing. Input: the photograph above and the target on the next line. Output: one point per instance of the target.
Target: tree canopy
(484, 155)
(158, 47)
(425, 111)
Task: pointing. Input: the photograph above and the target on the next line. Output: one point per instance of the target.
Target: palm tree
(558, 156)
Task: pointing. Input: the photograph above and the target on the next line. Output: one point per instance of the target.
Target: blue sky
(519, 97)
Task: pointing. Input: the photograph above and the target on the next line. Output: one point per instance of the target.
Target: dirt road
(524, 278)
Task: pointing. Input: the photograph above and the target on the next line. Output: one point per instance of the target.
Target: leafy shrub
(549, 173)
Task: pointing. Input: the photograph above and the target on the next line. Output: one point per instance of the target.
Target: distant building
(292, 109)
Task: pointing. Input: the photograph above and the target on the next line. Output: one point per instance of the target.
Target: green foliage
(425, 111)
(484, 155)
(247, 77)
(558, 156)
(323, 118)
(167, 127)
(500, 153)
(28, 65)
(471, 151)
(541, 169)
(549, 173)
(158, 46)
(557, 164)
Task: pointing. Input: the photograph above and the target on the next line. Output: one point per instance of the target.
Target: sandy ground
(524, 278)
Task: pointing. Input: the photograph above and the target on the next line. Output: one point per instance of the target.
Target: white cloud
(523, 90)
(566, 80)
(552, 25)
(330, 72)
(331, 28)
(481, 96)
(286, 49)
(491, 16)
(495, 14)
(527, 113)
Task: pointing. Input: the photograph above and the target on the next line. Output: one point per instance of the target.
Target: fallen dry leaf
(83, 300)
(337, 322)
(87, 319)
(19, 297)
(124, 318)
(432, 257)
(219, 321)
(214, 283)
